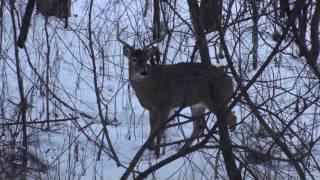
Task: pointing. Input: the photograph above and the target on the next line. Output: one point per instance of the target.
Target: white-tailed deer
(160, 88)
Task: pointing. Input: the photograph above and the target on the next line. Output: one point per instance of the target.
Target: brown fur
(161, 88)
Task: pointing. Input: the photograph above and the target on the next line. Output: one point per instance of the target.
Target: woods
(69, 110)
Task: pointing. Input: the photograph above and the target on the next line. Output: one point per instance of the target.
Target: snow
(71, 149)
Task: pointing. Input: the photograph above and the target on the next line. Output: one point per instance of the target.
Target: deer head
(138, 61)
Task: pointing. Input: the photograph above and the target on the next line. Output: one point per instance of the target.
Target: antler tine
(155, 41)
(118, 36)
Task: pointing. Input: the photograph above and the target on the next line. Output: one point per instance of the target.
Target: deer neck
(137, 75)
(146, 88)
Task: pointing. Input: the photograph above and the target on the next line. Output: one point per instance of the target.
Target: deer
(162, 88)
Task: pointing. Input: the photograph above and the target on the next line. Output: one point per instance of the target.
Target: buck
(160, 88)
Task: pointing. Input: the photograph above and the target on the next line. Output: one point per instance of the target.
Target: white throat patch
(137, 76)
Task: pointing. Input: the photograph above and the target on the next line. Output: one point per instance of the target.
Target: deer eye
(134, 59)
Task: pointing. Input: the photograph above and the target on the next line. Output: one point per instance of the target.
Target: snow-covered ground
(73, 149)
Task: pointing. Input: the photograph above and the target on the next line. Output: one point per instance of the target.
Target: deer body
(160, 88)
(183, 84)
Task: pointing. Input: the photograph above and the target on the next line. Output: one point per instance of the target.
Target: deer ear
(153, 51)
(127, 51)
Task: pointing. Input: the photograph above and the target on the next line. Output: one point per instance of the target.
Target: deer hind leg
(229, 116)
(231, 120)
(199, 123)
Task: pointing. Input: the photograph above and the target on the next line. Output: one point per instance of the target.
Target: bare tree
(64, 111)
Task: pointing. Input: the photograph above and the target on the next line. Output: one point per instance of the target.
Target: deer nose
(144, 73)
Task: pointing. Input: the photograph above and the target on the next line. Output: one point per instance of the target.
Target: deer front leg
(152, 119)
(158, 117)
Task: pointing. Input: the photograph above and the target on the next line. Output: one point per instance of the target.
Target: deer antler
(146, 47)
(154, 42)
(119, 34)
